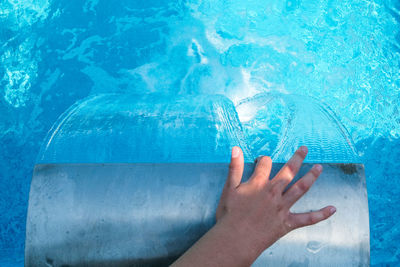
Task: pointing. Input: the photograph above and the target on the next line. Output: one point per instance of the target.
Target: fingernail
(318, 167)
(235, 152)
(303, 149)
(332, 210)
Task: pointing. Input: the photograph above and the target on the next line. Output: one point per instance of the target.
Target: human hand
(252, 215)
(257, 212)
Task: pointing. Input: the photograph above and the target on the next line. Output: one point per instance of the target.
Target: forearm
(220, 246)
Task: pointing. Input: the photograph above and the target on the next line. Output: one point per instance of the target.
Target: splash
(276, 124)
(145, 128)
(17, 54)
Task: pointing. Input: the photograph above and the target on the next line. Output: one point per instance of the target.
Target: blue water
(345, 55)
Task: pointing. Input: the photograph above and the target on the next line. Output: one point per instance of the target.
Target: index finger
(290, 169)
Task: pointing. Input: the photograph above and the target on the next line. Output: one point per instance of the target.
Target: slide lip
(54, 185)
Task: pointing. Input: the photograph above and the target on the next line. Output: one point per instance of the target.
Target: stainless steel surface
(149, 214)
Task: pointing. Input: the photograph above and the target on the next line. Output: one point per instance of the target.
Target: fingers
(235, 168)
(297, 220)
(290, 169)
(262, 170)
(297, 190)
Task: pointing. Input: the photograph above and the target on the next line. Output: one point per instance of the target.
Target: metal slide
(86, 208)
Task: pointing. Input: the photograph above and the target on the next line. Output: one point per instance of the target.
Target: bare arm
(253, 215)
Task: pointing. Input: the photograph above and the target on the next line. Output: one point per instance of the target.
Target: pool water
(344, 55)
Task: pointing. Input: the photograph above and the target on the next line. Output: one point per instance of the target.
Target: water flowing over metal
(100, 197)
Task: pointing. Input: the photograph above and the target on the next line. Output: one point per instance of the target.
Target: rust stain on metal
(348, 168)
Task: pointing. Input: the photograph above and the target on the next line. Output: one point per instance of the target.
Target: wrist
(243, 243)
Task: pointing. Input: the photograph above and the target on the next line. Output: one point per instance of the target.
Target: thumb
(235, 168)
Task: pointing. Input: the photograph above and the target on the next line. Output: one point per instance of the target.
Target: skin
(253, 215)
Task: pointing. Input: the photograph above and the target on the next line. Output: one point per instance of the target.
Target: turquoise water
(344, 55)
